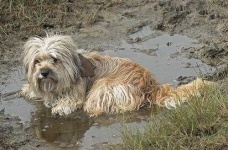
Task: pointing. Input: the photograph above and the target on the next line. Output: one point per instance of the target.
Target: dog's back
(121, 85)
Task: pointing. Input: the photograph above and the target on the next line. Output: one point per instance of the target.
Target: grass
(28, 15)
(201, 124)
(38, 15)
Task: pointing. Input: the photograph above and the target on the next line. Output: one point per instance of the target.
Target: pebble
(78, 143)
(70, 145)
(169, 43)
(187, 65)
(63, 145)
(95, 124)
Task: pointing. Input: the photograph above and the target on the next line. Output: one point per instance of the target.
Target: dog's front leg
(66, 106)
(27, 92)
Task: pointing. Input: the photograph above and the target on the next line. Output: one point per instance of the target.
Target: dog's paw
(61, 110)
(47, 104)
(27, 92)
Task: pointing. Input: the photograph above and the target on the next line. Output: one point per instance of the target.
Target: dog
(68, 79)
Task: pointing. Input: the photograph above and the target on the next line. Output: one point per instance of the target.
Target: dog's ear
(87, 69)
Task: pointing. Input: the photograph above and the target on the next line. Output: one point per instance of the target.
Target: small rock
(79, 143)
(115, 136)
(185, 79)
(2, 111)
(56, 142)
(70, 145)
(169, 43)
(38, 145)
(63, 145)
(137, 39)
(175, 55)
(187, 65)
(95, 124)
(36, 119)
(180, 78)
(46, 127)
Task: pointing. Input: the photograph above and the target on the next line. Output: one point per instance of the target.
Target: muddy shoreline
(115, 21)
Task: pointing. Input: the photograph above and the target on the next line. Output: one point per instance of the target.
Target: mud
(176, 40)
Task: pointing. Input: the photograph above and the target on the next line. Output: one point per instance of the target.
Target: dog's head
(52, 63)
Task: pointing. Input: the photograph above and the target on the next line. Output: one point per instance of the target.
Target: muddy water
(159, 52)
(162, 54)
(15, 106)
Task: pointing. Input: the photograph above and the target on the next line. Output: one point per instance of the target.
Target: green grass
(201, 124)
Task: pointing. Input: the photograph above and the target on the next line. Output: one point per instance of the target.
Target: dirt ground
(96, 23)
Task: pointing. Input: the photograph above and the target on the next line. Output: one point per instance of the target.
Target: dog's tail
(171, 97)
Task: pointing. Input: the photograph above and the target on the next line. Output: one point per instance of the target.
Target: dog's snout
(45, 73)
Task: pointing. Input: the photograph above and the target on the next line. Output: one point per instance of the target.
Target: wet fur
(99, 84)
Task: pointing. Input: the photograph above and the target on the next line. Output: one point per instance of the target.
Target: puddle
(163, 55)
(16, 107)
(86, 133)
(160, 53)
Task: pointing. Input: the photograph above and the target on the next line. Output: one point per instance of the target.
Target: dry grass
(22, 14)
(39, 15)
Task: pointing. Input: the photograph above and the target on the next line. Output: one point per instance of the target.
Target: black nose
(45, 73)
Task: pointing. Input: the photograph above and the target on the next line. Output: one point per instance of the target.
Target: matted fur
(68, 79)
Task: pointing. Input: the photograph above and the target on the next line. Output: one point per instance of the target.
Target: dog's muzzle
(47, 81)
(45, 74)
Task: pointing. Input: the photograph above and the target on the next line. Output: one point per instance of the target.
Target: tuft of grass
(93, 16)
(201, 124)
(89, 16)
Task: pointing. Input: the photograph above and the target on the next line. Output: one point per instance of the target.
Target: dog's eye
(54, 59)
(36, 61)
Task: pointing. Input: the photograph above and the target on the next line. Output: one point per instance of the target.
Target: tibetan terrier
(68, 79)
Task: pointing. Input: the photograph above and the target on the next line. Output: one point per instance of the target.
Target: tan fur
(99, 84)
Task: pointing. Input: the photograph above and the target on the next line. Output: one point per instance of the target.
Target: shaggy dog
(67, 80)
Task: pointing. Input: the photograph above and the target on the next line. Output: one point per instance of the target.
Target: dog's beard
(42, 84)
(47, 85)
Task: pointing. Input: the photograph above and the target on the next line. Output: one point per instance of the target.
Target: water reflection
(78, 130)
(66, 130)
